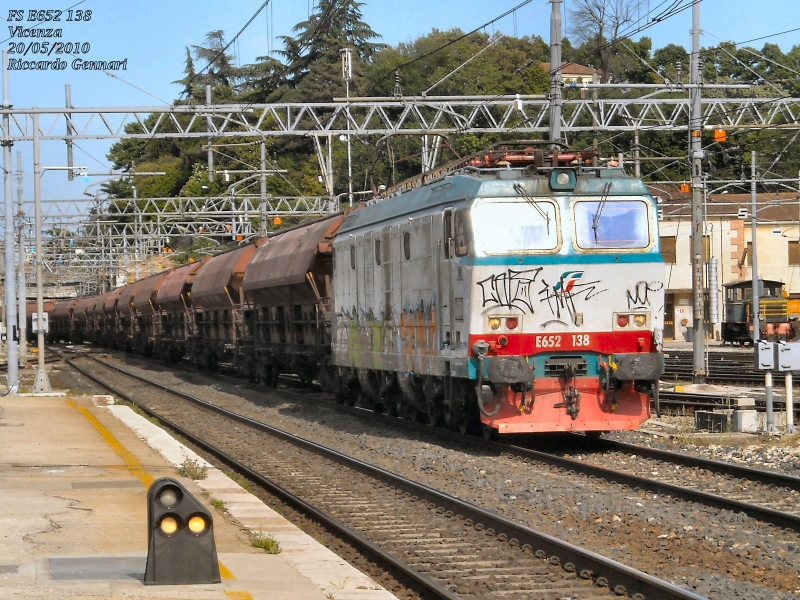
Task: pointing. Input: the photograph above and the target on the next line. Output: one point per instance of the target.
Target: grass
(219, 504)
(242, 482)
(192, 469)
(265, 541)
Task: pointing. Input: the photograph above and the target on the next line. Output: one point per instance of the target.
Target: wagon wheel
(489, 432)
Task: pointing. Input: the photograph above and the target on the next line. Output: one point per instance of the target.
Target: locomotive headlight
(639, 320)
(563, 179)
(494, 323)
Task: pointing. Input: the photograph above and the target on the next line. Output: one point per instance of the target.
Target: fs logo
(567, 281)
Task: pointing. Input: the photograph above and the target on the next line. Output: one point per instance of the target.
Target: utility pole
(23, 295)
(347, 74)
(41, 383)
(555, 71)
(11, 284)
(210, 124)
(696, 162)
(68, 117)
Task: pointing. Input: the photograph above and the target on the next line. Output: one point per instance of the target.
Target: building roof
(772, 207)
(573, 69)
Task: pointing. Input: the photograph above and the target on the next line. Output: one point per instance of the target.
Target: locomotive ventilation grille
(555, 367)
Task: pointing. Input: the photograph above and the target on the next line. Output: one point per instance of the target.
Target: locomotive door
(446, 282)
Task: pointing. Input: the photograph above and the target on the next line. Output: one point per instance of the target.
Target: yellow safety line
(238, 595)
(134, 466)
(136, 469)
(225, 572)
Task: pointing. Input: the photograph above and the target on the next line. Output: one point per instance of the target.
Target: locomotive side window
(407, 245)
(612, 224)
(462, 232)
(513, 226)
(352, 257)
(447, 218)
(377, 252)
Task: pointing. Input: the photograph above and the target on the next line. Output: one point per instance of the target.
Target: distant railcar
(777, 313)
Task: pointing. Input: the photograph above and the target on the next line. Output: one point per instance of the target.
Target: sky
(152, 35)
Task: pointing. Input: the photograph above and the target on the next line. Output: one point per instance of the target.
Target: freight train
(519, 290)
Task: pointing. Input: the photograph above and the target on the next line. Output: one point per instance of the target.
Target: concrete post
(789, 404)
(696, 161)
(10, 264)
(23, 294)
(555, 71)
(42, 383)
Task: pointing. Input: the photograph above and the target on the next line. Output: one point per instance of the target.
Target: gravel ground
(777, 453)
(717, 554)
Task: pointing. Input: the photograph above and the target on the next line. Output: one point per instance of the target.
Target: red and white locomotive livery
(524, 288)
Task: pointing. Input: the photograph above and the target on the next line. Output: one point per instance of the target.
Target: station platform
(74, 473)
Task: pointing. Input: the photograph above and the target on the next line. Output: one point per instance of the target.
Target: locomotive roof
(472, 183)
(749, 283)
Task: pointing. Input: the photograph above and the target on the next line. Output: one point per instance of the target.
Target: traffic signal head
(181, 548)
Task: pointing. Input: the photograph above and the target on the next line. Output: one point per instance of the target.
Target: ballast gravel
(718, 554)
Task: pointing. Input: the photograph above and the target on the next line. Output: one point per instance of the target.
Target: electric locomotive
(521, 289)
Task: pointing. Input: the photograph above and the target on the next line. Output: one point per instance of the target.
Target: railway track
(723, 368)
(768, 496)
(448, 548)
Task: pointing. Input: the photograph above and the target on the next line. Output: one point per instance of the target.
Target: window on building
(669, 249)
(794, 254)
(706, 248)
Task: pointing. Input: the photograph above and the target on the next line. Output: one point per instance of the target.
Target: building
(727, 238)
(572, 73)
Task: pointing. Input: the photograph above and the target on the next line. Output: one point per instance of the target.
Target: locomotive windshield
(515, 226)
(612, 224)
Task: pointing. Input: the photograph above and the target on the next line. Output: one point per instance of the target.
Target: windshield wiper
(521, 191)
(599, 213)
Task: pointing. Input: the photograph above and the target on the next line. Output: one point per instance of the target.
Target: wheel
(489, 433)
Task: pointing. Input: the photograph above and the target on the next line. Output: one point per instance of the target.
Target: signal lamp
(168, 497)
(511, 323)
(197, 524)
(169, 525)
(494, 323)
(181, 548)
(639, 320)
(622, 320)
(563, 179)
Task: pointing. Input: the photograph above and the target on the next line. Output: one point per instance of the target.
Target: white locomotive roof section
(487, 183)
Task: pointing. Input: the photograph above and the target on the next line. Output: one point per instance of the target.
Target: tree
(219, 65)
(335, 24)
(188, 82)
(597, 23)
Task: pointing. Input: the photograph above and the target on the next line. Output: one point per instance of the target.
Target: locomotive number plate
(566, 340)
